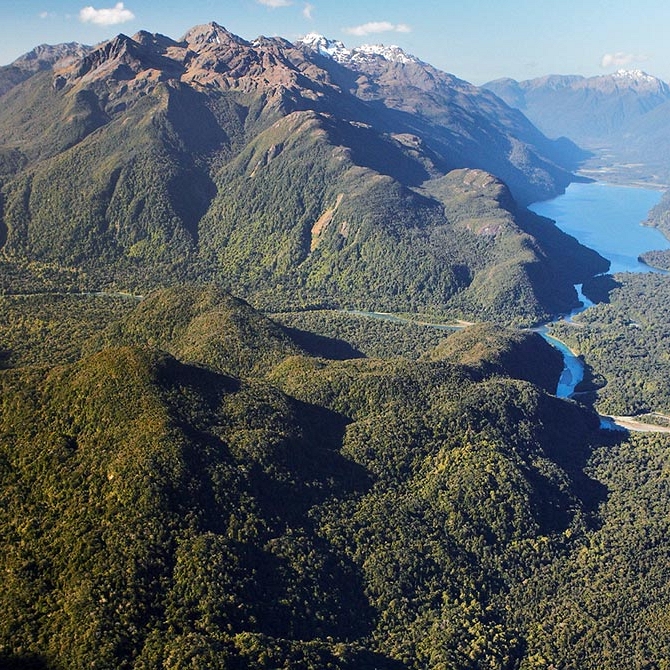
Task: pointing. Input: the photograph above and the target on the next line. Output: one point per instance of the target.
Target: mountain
(622, 117)
(588, 110)
(438, 101)
(186, 482)
(157, 512)
(43, 57)
(292, 177)
(489, 350)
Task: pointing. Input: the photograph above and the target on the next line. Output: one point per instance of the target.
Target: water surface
(608, 218)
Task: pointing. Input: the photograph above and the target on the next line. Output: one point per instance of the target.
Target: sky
(476, 40)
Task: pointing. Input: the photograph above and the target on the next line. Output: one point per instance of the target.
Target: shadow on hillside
(310, 469)
(314, 471)
(322, 346)
(22, 662)
(568, 436)
(598, 288)
(275, 459)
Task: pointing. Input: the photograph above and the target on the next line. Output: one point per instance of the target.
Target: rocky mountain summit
(209, 58)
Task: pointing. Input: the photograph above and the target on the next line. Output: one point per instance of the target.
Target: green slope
(360, 513)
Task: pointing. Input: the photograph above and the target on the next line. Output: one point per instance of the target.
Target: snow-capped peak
(640, 80)
(391, 53)
(337, 51)
(634, 75)
(331, 48)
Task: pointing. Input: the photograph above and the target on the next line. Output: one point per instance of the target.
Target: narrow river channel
(604, 217)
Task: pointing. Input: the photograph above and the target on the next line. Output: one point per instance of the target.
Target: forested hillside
(294, 179)
(195, 490)
(624, 341)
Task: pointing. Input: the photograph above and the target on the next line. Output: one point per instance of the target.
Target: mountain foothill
(213, 456)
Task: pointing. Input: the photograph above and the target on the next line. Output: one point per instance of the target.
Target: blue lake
(608, 218)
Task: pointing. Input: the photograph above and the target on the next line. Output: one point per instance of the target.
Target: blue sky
(477, 40)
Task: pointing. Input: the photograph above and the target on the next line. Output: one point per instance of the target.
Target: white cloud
(47, 15)
(275, 3)
(106, 17)
(378, 27)
(307, 11)
(621, 59)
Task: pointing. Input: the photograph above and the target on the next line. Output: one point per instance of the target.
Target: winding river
(604, 217)
(607, 218)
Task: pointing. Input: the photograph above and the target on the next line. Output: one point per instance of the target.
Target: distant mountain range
(624, 116)
(589, 110)
(296, 174)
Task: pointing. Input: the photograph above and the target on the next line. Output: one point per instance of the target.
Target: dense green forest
(624, 343)
(190, 484)
(657, 259)
(659, 217)
(50, 328)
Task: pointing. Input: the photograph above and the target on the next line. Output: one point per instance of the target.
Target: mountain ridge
(606, 111)
(149, 160)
